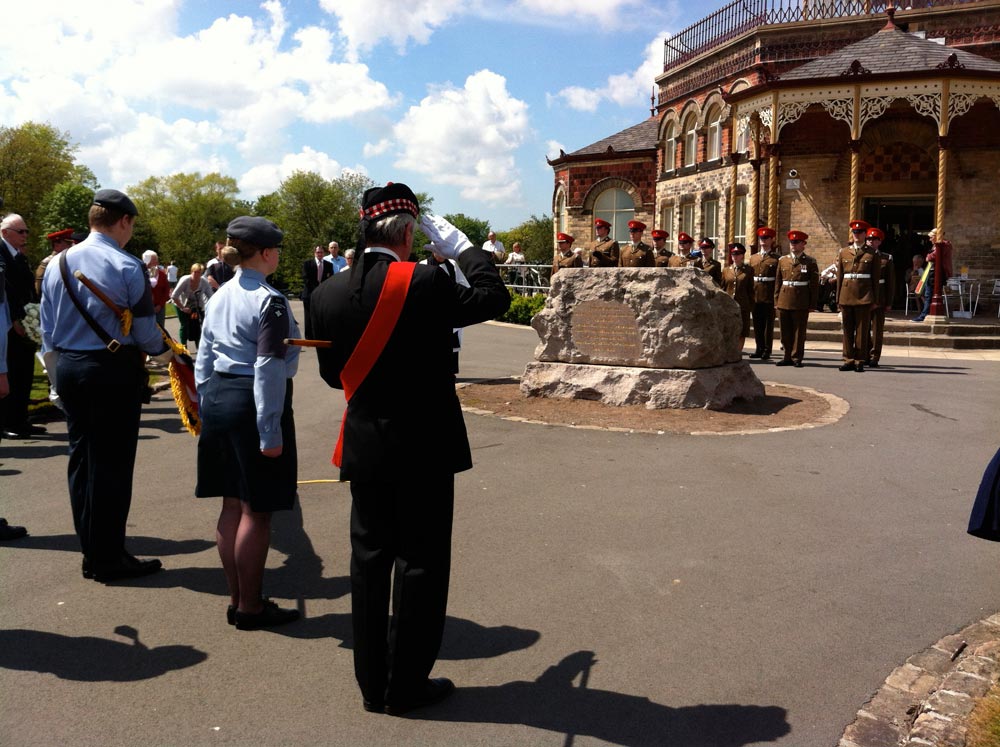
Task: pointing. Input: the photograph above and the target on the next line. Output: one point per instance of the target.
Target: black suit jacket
(309, 281)
(18, 279)
(408, 400)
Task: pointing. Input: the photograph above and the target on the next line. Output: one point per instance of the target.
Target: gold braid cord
(126, 321)
(186, 406)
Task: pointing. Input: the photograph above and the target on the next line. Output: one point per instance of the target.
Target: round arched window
(615, 206)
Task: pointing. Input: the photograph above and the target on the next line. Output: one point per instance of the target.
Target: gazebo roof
(890, 51)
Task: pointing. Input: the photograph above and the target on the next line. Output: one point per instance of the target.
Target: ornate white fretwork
(874, 107)
(842, 109)
(927, 104)
(996, 99)
(765, 117)
(960, 103)
(742, 124)
(789, 112)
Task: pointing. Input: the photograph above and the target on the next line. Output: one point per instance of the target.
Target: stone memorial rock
(663, 337)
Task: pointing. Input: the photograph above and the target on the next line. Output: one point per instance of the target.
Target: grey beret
(256, 230)
(112, 199)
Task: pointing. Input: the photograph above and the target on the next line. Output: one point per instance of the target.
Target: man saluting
(390, 323)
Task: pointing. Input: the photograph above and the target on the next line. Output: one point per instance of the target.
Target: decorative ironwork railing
(741, 16)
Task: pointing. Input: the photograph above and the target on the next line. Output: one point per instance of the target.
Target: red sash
(374, 338)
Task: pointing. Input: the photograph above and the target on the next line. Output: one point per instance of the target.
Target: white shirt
(515, 258)
(495, 247)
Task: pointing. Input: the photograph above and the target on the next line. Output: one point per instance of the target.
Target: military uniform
(710, 266)
(764, 267)
(795, 293)
(858, 273)
(603, 253)
(636, 255)
(566, 260)
(737, 281)
(662, 257)
(886, 292)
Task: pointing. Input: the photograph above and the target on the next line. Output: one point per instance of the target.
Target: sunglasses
(22, 231)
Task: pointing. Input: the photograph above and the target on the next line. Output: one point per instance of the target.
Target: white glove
(448, 241)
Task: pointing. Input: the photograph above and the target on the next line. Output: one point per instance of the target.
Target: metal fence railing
(741, 16)
(527, 279)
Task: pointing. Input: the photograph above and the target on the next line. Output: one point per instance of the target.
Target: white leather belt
(764, 280)
(796, 283)
(855, 276)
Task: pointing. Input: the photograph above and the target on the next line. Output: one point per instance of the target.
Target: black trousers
(101, 392)
(403, 529)
(763, 327)
(20, 374)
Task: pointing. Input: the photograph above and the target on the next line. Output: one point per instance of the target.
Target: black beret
(112, 199)
(255, 230)
(381, 202)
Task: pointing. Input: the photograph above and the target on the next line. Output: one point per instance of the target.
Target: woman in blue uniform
(246, 452)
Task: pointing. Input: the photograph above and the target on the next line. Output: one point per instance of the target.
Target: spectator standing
(314, 272)
(190, 297)
(516, 275)
(159, 285)
(172, 275)
(494, 247)
(217, 272)
(339, 263)
(7, 531)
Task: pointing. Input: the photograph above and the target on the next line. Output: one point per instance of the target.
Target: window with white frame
(690, 140)
(670, 149)
(615, 206)
(710, 220)
(667, 213)
(561, 213)
(740, 220)
(742, 137)
(687, 219)
(713, 148)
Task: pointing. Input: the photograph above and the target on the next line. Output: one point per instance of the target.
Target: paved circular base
(784, 407)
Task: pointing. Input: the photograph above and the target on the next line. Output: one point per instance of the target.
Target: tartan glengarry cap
(392, 199)
(112, 199)
(255, 230)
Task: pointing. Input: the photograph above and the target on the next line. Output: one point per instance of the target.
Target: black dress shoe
(128, 566)
(433, 691)
(766, 357)
(25, 431)
(755, 355)
(373, 706)
(8, 532)
(231, 614)
(798, 364)
(846, 367)
(860, 367)
(269, 616)
(873, 364)
(784, 362)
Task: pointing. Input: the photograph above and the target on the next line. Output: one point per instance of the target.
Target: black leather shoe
(860, 367)
(873, 364)
(784, 362)
(755, 355)
(798, 364)
(766, 357)
(231, 614)
(433, 691)
(128, 566)
(270, 616)
(25, 431)
(373, 706)
(8, 532)
(846, 367)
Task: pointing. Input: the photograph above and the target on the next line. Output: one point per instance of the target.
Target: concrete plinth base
(656, 388)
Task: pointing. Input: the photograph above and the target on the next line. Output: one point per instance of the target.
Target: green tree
(185, 214)
(66, 206)
(34, 158)
(536, 238)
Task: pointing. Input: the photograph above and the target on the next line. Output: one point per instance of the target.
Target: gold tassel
(126, 321)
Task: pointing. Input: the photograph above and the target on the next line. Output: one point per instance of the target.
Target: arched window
(561, 212)
(713, 148)
(690, 139)
(742, 136)
(615, 206)
(670, 149)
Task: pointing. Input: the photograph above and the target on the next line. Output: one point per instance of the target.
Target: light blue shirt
(246, 322)
(122, 277)
(338, 264)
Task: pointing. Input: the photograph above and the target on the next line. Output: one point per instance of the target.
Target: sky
(461, 99)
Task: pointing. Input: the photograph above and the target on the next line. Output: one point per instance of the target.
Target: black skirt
(229, 460)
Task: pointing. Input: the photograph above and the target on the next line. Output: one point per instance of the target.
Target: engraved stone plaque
(606, 332)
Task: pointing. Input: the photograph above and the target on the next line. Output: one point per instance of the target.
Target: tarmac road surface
(607, 588)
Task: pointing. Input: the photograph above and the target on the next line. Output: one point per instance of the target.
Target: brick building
(805, 117)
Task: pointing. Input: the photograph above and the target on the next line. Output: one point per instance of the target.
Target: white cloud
(552, 148)
(377, 149)
(267, 177)
(364, 23)
(466, 137)
(624, 89)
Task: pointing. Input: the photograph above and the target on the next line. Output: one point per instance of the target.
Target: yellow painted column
(855, 145)
(731, 210)
(773, 167)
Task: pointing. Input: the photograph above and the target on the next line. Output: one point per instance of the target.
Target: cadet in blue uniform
(246, 452)
(101, 378)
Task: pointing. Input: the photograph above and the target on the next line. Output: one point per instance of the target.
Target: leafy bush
(522, 308)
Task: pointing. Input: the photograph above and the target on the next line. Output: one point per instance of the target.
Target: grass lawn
(984, 724)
